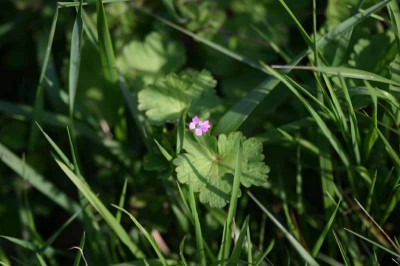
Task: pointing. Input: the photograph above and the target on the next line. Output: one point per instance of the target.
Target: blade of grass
(355, 134)
(344, 72)
(296, 245)
(146, 234)
(249, 247)
(163, 151)
(42, 262)
(235, 256)
(227, 240)
(181, 248)
(342, 250)
(75, 58)
(325, 231)
(118, 215)
(374, 243)
(197, 226)
(265, 253)
(180, 135)
(103, 211)
(108, 64)
(79, 253)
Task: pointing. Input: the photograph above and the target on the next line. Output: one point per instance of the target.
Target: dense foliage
(200, 132)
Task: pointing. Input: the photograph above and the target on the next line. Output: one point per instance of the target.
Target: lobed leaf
(165, 100)
(209, 165)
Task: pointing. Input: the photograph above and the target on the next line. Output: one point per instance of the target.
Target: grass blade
(325, 232)
(41, 260)
(344, 72)
(197, 226)
(396, 255)
(342, 250)
(75, 58)
(79, 254)
(103, 211)
(181, 248)
(107, 58)
(227, 240)
(235, 256)
(265, 253)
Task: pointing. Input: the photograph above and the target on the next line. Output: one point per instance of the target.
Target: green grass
(302, 157)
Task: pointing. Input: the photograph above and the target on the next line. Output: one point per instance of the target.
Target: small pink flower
(199, 126)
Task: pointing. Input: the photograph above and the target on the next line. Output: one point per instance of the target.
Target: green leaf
(165, 100)
(156, 56)
(209, 165)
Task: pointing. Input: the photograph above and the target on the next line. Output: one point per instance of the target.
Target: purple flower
(199, 126)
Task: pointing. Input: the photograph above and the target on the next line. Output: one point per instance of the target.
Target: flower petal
(205, 126)
(192, 125)
(195, 119)
(198, 132)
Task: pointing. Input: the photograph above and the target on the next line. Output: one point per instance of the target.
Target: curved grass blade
(396, 255)
(146, 234)
(103, 211)
(296, 245)
(344, 72)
